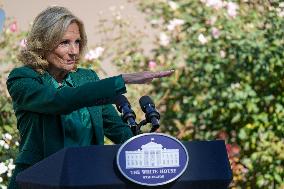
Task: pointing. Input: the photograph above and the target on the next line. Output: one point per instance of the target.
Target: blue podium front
(94, 167)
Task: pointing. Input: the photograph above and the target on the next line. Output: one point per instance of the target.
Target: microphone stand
(135, 129)
(142, 123)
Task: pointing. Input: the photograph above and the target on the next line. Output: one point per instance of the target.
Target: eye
(64, 42)
(78, 41)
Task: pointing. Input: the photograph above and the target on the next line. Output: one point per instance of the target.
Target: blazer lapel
(95, 111)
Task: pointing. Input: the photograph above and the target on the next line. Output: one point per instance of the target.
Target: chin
(71, 68)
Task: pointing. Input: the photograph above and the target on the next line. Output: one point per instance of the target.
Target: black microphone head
(120, 101)
(144, 101)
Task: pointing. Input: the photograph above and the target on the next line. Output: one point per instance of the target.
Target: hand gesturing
(145, 77)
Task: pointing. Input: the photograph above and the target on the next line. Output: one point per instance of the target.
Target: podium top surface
(95, 167)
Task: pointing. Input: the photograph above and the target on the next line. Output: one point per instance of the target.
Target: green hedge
(11, 40)
(229, 59)
(228, 82)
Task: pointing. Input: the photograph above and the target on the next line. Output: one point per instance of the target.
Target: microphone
(127, 114)
(151, 114)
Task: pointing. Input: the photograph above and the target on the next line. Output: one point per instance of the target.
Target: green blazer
(38, 107)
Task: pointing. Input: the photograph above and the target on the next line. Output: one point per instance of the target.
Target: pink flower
(228, 148)
(211, 21)
(232, 9)
(13, 27)
(174, 23)
(244, 170)
(215, 32)
(152, 64)
(235, 150)
(23, 43)
(94, 54)
(216, 4)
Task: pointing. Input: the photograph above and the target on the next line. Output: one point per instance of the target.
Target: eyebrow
(63, 39)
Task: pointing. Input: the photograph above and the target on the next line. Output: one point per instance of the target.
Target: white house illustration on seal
(152, 155)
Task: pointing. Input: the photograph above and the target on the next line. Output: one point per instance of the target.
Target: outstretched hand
(145, 77)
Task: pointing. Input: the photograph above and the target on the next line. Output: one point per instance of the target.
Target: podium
(94, 167)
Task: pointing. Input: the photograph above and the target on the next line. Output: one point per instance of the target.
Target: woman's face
(65, 56)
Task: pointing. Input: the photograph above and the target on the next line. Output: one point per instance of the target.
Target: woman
(58, 105)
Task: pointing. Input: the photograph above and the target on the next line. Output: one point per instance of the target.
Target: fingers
(145, 77)
(163, 73)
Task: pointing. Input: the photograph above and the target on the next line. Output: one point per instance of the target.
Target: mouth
(71, 62)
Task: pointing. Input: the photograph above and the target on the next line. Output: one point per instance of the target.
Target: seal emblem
(152, 159)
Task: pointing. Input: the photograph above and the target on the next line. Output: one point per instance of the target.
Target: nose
(74, 49)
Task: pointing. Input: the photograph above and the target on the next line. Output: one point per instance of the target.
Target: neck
(57, 75)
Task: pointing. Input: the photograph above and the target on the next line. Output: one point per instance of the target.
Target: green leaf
(236, 118)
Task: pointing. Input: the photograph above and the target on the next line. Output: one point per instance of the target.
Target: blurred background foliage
(228, 83)
(10, 43)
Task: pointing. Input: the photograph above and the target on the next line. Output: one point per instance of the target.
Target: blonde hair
(47, 30)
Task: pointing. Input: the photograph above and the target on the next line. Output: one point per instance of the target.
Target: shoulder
(19, 75)
(23, 71)
(85, 71)
(85, 74)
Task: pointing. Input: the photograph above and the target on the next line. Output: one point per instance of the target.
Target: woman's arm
(29, 93)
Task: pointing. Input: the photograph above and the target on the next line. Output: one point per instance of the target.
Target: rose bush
(11, 40)
(228, 83)
(229, 60)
